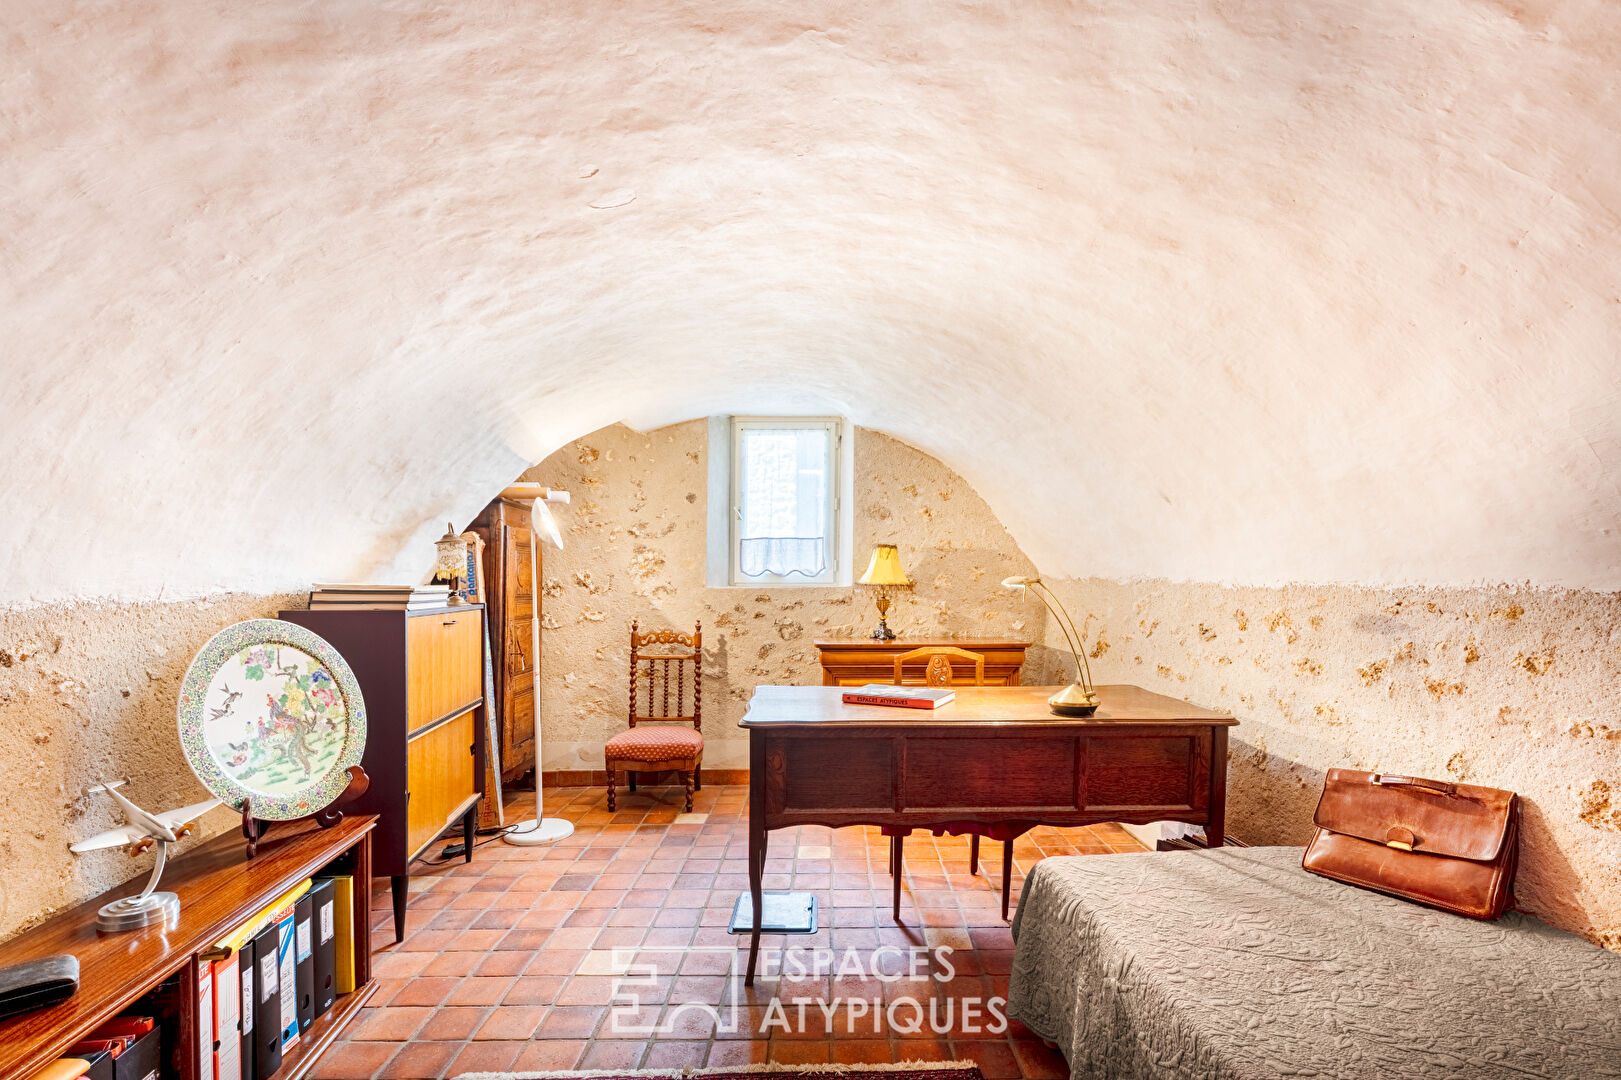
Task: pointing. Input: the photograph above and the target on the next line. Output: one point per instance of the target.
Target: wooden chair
(937, 671)
(662, 743)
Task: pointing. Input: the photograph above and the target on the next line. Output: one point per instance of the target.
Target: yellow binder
(343, 915)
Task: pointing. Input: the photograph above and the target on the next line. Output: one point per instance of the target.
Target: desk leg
(1007, 874)
(1215, 833)
(757, 846)
(897, 857)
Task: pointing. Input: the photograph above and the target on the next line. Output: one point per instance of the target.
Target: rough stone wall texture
(87, 692)
(634, 548)
(1505, 687)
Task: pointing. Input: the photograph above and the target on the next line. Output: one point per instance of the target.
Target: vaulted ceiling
(1234, 291)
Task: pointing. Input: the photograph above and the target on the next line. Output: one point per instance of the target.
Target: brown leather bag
(1451, 846)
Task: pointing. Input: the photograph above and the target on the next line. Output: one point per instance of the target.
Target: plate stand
(254, 829)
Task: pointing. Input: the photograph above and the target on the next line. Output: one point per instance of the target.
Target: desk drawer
(1137, 771)
(445, 657)
(440, 778)
(829, 774)
(969, 773)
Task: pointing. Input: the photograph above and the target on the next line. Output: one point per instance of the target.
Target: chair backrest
(937, 672)
(666, 664)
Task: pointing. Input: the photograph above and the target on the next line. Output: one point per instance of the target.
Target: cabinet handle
(448, 622)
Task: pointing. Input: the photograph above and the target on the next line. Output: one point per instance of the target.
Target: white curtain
(783, 488)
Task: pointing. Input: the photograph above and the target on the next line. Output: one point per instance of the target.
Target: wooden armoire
(511, 568)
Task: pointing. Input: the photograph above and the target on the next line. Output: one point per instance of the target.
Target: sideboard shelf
(297, 1062)
(220, 888)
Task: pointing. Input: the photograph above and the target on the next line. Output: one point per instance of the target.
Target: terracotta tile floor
(518, 959)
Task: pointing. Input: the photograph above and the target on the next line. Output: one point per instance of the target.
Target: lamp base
(882, 632)
(532, 832)
(134, 912)
(1073, 700)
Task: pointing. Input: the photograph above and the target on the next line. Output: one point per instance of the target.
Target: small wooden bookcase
(220, 888)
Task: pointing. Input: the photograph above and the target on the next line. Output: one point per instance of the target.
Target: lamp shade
(452, 558)
(885, 567)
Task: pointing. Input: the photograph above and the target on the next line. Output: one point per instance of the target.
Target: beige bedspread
(1238, 964)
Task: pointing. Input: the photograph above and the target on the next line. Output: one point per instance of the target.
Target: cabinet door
(446, 663)
(439, 776)
(518, 687)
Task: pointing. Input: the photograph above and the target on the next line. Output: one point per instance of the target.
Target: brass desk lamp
(1078, 698)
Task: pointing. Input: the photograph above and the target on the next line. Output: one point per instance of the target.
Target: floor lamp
(539, 829)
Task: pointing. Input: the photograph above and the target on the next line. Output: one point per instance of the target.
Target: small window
(785, 501)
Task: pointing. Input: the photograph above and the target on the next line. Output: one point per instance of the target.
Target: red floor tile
(420, 1061)
(486, 978)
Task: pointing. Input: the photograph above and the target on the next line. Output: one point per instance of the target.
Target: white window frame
(835, 571)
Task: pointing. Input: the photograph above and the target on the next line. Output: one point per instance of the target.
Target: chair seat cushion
(655, 743)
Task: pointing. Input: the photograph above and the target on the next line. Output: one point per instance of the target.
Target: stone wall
(634, 548)
(1505, 687)
(87, 693)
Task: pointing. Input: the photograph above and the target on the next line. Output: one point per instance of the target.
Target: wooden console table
(857, 661)
(995, 761)
(220, 888)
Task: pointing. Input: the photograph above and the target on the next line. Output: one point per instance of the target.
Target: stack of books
(378, 597)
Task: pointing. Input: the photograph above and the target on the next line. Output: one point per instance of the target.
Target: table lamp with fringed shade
(884, 574)
(451, 562)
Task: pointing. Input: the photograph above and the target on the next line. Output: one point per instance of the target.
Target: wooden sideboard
(857, 661)
(422, 675)
(220, 888)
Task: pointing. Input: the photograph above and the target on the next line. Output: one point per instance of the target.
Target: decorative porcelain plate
(269, 712)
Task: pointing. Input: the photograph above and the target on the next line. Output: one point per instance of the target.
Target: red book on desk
(901, 697)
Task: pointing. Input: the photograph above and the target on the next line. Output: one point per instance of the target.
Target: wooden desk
(995, 761)
(857, 661)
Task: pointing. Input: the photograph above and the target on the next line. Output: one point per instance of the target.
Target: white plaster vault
(1196, 290)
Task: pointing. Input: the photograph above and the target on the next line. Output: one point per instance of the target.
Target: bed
(1238, 964)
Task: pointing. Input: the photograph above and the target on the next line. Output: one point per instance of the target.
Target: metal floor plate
(782, 913)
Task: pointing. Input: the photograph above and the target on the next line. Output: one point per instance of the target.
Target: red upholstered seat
(655, 742)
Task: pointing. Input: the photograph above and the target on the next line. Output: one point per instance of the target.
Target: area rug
(913, 1070)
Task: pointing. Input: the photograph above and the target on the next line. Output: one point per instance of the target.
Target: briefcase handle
(1440, 787)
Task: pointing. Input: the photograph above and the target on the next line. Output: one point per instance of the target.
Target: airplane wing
(178, 817)
(109, 839)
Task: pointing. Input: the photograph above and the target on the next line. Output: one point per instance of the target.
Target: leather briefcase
(1451, 846)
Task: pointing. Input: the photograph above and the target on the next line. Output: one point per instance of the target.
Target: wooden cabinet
(220, 888)
(442, 776)
(857, 661)
(511, 568)
(445, 652)
(422, 676)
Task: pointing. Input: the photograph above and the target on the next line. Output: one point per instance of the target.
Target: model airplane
(144, 829)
